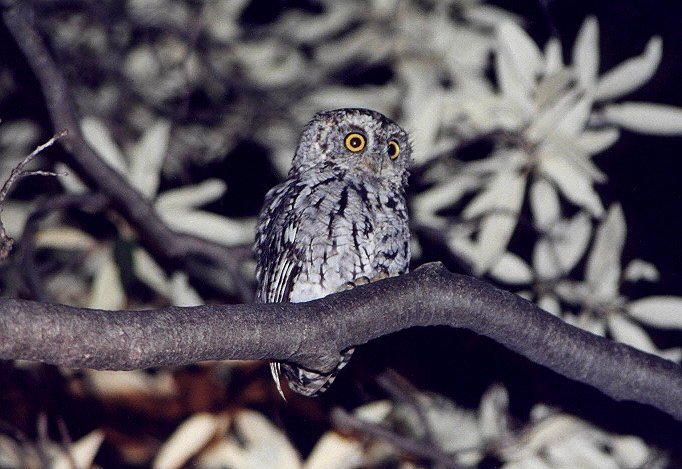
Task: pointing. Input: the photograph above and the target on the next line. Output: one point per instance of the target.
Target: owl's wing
(278, 263)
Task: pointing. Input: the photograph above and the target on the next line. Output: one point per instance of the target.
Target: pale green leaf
(573, 122)
(187, 197)
(107, 291)
(544, 203)
(517, 63)
(574, 185)
(81, 453)
(503, 193)
(209, 226)
(99, 138)
(658, 311)
(632, 73)
(512, 269)
(596, 141)
(586, 53)
(188, 439)
(638, 269)
(625, 331)
(182, 293)
(648, 118)
(553, 56)
(146, 158)
(603, 265)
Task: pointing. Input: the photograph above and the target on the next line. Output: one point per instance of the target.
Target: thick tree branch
(153, 232)
(312, 334)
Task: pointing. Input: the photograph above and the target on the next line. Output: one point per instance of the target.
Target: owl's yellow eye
(393, 149)
(355, 142)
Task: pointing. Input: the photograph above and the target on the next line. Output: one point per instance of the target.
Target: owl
(340, 217)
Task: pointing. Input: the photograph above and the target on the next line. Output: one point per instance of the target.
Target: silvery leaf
(188, 439)
(658, 311)
(632, 73)
(648, 118)
(586, 53)
(107, 291)
(80, 453)
(553, 56)
(638, 269)
(596, 141)
(573, 185)
(187, 197)
(517, 63)
(512, 269)
(603, 265)
(98, 137)
(146, 158)
(627, 332)
(544, 203)
(209, 226)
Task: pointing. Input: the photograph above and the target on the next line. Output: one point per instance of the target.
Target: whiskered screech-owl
(339, 218)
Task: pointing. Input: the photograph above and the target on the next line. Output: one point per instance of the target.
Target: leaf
(502, 200)
(603, 265)
(98, 137)
(648, 118)
(637, 270)
(334, 451)
(658, 311)
(503, 193)
(146, 158)
(107, 291)
(210, 226)
(517, 63)
(586, 53)
(627, 332)
(512, 269)
(550, 303)
(553, 57)
(265, 445)
(131, 384)
(571, 238)
(182, 293)
(151, 273)
(555, 255)
(573, 122)
(574, 185)
(64, 238)
(492, 412)
(191, 196)
(546, 121)
(630, 452)
(188, 439)
(81, 453)
(632, 73)
(544, 204)
(427, 203)
(71, 182)
(596, 141)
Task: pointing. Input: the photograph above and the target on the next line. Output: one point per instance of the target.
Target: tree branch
(313, 334)
(153, 232)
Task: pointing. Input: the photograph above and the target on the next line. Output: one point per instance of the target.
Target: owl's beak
(373, 162)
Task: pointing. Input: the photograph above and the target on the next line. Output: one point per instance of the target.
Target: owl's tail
(305, 382)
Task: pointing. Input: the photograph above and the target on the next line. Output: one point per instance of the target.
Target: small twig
(19, 172)
(345, 421)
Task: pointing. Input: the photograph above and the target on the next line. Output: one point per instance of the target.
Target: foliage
(167, 89)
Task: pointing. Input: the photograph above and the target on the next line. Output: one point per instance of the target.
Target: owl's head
(360, 141)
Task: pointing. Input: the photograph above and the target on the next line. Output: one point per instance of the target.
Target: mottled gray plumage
(338, 217)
